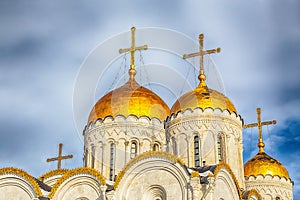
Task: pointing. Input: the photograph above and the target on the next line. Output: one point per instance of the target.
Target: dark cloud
(24, 48)
(291, 136)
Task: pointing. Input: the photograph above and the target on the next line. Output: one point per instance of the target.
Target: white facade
(191, 155)
(111, 143)
(271, 187)
(168, 171)
(219, 134)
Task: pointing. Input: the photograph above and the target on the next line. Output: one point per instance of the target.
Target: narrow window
(93, 157)
(85, 157)
(155, 147)
(112, 159)
(174, 143)
(196, 151)
(220, 145)
(133, 150)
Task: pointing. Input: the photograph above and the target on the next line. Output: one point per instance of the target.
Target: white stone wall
(121, 131)
(223, 187)
(271, 187)
(14, 187)
(81, 186)
(207, 125)
(154, 178)
(52, 180)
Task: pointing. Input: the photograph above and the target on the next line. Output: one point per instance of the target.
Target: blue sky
(44, 43)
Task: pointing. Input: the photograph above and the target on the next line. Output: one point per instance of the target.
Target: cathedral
(136, 147)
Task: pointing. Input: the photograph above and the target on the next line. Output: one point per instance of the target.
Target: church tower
(124, 123)
(204, 127)
(266, 174)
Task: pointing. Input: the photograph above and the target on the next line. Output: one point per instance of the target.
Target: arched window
(85, 157)
(93, 157)
(220, 145)
(174, 144)
(112, 161)
(155, 192)
(133, 150)
(155, 147)
(196, 151)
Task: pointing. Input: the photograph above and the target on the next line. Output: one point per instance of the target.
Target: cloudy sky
(44, 44)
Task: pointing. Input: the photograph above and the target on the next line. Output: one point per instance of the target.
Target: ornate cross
(201, 54)
(60, 157)
(259, 124)
(132, 50)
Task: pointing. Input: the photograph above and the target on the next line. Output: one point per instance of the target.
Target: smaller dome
(130, 99)
(203, 97)
(263, 164)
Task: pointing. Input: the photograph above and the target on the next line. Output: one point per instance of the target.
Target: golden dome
(264, 164)
(203, 97)
(130, 99)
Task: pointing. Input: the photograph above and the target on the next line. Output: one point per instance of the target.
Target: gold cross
(132, 50)
(259, 124)
(60, 157)
(201, 54)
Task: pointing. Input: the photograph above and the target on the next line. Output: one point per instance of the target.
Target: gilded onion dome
(263, 164)
(203, 97)
(130, 99)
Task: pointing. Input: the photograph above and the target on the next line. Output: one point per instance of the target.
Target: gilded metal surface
(259, 124)
(130, 99)
(132, 50)
(60, 157)
(201, 54)
(264, 164)
(53, 173)
(25, 175)
(203, 97)
(194, 174)
(73, 172)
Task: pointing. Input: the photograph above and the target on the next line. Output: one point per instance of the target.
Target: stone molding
(75, 172)
(24, 176)
(270, 185)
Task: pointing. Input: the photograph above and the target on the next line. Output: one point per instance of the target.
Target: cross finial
(132, 50)
(201, 54)
(259, 124)
(59, 158)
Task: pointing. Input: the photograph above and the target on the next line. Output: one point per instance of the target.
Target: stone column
(200, 149)
(227, 156)
(140, 148)
(100, 157)
(126, 152)
(195, 184)
(103, 189)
